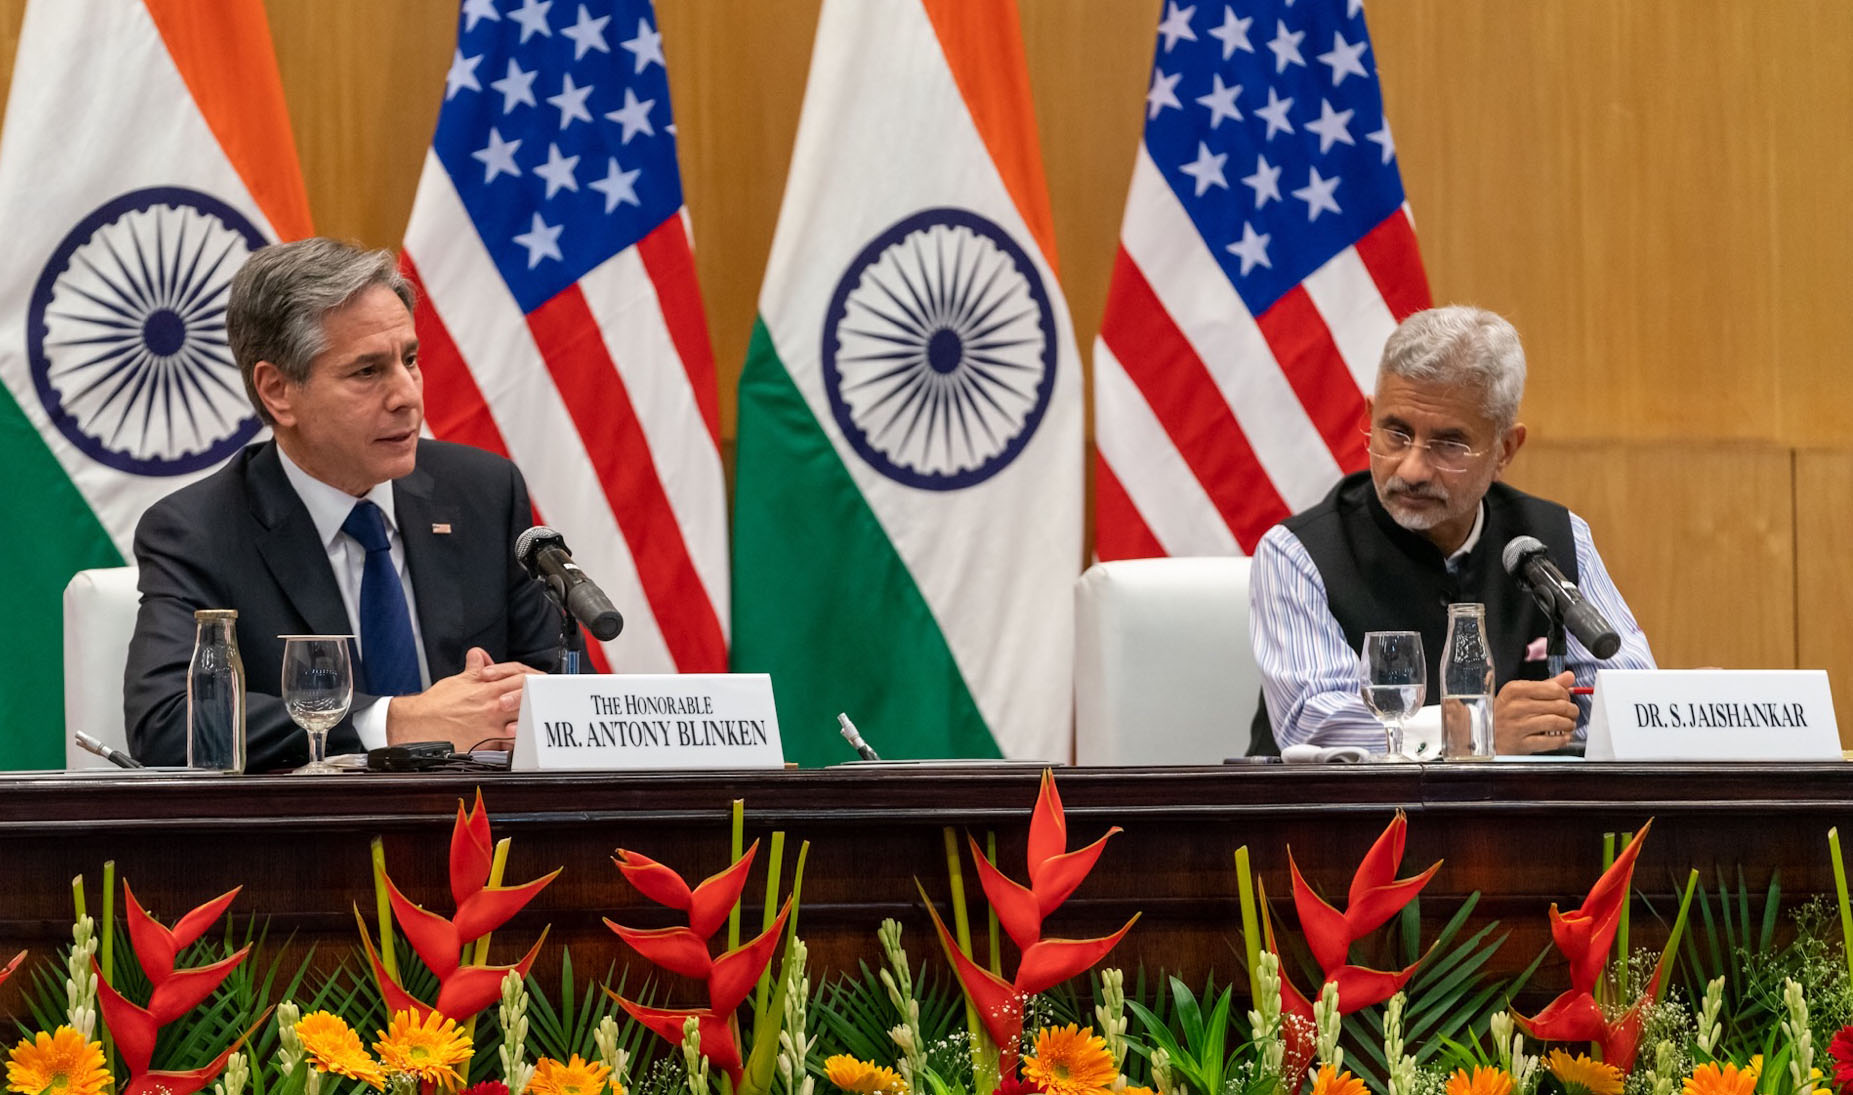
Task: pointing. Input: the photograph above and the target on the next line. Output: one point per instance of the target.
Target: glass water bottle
(215, 693)
(1466, 686)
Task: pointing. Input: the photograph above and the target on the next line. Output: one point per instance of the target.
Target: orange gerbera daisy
(430, 1050)
(333, 1047)
(1483, 1081)
(863, 1077)
(575, 1077)
(1583, 1076)
(1070, 1061)
(1715, 1079)
(1330, 1081)
(61, 1063)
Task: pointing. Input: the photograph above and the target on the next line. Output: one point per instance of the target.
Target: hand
(481, 702)
(1534, 716)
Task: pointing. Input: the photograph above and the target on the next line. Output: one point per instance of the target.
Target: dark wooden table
(1523, 835)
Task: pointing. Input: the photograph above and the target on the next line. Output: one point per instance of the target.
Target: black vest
(1380, 576)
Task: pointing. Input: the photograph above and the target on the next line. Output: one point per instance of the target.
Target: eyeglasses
(1445, 456)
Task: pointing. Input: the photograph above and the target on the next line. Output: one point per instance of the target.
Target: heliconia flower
(176, 992)
(463, 990)
(1584, 935)
(1376, 896)
(1054, 874)
(684, 950)
(6, 971)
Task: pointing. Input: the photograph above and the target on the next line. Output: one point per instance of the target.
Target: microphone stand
(1554, 644)
(572, 640)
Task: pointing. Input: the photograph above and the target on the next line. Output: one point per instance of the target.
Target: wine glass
(318, 686)
(1393, 675)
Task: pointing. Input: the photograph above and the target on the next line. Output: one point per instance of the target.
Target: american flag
(1266, 254)
(560, 322)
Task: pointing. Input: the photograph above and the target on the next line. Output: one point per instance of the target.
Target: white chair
(99, 618)
(1164, 670)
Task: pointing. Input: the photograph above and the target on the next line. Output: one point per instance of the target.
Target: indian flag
(146, 151)
(908, 497)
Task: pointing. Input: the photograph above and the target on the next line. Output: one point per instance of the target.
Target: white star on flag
(1163, 93)
(1333, 126)
(462, 75)
(571, 101)
(647, 47)
(1207, 169)
(1317, 194)
(1384, 140)
(1252, 248)
(558, 171)
(1344, 58)
(618, 185)
(474, 10)
(634, 116)
(517, 87)
(1265, 182)
(542, 241)
(498, 157)
(1286, 47)
(587, 34)
(1233, 34)
(1221, 101)
(1177, 25)
(1276, 114)
(533, 19)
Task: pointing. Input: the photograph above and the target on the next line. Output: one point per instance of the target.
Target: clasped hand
(469, 709)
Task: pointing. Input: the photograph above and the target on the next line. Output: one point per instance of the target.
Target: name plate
(1713, 714)
(644, 721)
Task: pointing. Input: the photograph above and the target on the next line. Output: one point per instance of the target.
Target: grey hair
(1461, 345)
(283, 292)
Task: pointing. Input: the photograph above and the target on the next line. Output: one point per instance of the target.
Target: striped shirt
(1309, 673)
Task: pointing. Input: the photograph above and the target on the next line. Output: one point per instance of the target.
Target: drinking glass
(1392, 676)
(318, 686)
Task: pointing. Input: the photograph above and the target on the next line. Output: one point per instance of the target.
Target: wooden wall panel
(1699, 537)
(1823, 561)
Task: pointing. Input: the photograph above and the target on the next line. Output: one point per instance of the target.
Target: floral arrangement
(1733, 1006)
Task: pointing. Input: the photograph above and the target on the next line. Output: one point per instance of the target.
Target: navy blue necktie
(389, 657)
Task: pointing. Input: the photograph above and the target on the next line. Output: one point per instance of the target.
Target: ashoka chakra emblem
(939, 350)
(126, 334)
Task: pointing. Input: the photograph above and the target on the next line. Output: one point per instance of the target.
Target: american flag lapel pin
(440, 528)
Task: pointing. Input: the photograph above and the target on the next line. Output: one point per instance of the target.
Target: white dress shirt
(1309, 673)
(329, 507)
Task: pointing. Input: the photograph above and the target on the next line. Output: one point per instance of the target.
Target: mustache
(1401, 488)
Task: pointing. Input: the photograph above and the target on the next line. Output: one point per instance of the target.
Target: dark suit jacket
(241, 538)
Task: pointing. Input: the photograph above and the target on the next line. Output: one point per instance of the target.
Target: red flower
(463, 990)
(1010, 1085)
(1054, 874)
(175, 992)
(684, 950)
(6, 971)
(1376, 896)
(487, 1087)
(1584, 935)
(1841, 1050)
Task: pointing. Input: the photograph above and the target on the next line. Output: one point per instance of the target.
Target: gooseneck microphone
(1526, 559)
(542, 553)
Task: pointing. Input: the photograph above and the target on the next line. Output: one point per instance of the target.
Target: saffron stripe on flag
(1175, 385)
(1311, 363)
(567, 336)
(1394, 258)
(1150, 470)
(671, 264)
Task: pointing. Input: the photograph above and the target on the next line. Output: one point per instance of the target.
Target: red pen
(1580, 691)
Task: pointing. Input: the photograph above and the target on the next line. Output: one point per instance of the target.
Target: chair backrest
(1164, 670)
(99, 618)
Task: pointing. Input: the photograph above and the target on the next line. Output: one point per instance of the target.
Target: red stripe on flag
(454, 406)
(1120, 532)
(594, 393)
(671, 266)
(1310, 360)
(1177, 387)
(1394, 259)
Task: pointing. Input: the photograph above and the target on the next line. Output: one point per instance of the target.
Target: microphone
(1525, 558)
(542, 553)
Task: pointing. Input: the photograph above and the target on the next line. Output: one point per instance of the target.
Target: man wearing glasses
(1391, 549)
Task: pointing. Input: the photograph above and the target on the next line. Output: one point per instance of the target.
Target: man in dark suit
(345, 523)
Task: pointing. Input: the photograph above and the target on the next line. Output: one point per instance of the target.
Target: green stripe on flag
(53, 535)
(804, 537)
